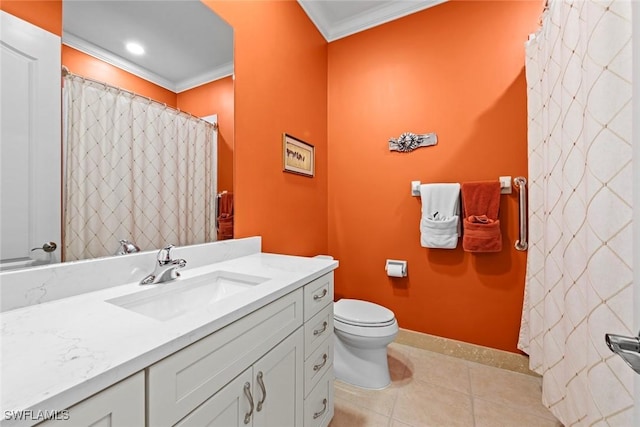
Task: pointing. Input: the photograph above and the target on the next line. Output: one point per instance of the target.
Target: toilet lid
(357, 312)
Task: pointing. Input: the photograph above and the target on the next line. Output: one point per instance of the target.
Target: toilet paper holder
(391, 267)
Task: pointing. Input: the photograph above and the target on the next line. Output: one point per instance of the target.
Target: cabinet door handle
(247, 392)
(317, 332)
(321, 365)
(324, 408)
(322, 295)
(264, 391)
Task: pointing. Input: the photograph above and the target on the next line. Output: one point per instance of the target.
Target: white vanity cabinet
(270, 368)
(318, 352)
(267, 394)
(183, 381)
(122, 404)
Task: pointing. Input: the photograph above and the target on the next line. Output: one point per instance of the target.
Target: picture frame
(298, 156)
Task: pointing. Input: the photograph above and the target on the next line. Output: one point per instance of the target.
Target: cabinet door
(278, 384)
(122, 404)
(229, 407)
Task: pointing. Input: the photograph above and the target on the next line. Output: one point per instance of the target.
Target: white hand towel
(440, 221)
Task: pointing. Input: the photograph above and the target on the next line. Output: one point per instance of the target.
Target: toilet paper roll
(394, 270)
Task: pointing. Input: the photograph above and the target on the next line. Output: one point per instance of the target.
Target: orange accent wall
(215, 98)
(44, 14)
(280, 66)
(88, 66)
(456, 69)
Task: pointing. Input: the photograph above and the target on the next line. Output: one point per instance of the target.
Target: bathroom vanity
(255, 351)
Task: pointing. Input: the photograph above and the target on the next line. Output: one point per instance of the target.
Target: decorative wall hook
(410, 141)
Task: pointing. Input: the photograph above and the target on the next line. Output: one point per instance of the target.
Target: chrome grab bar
(520, 183)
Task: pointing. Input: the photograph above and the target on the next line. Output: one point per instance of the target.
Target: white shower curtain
(579, 271)
(134, 169)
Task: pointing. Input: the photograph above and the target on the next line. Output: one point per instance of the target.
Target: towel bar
(520, 183)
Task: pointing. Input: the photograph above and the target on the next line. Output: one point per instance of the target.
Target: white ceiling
(336, 19)
(187, 44)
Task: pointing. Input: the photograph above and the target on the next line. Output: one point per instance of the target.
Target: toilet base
(366, 368)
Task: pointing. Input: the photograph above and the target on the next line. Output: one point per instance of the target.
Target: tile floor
(432, 389)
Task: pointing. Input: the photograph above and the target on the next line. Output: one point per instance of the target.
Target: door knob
(626, 347)
(47, 247)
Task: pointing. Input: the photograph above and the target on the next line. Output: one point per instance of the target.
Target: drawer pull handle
(264, 391)
(317, 332)
(322, 295)
(319, 414)
(320, 365)
(247, 392)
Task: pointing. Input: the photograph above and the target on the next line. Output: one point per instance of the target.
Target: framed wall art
(297, 156)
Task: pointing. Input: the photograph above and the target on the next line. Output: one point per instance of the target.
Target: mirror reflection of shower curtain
(134, 169)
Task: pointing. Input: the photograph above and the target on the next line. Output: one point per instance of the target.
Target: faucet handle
(164, 255)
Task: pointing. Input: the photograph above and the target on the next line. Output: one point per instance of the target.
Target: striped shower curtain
(134, 169)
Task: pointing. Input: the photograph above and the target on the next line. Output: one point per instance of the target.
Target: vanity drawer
(320, 362)
(178, 384)
(318, 406)
(317, 294)
(317, 329)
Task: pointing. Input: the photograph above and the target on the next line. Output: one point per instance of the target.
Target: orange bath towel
(480, 207)
(225, 216)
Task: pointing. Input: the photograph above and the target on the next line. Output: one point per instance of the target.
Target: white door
(30, 148)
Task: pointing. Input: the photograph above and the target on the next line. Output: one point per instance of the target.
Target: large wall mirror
(183, 60)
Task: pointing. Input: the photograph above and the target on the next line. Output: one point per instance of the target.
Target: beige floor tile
(378, 401)
(396, 423)
(441, 370)
(489, 414)
(518, 391)
(349, 415)
(423, 404)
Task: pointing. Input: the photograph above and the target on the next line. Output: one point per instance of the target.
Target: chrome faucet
(166, 268)
(127, 247)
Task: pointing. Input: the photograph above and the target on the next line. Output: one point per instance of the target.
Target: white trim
(117, 61)
(222, 71)
(382, 14)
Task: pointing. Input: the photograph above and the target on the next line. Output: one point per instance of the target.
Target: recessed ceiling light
(135, 48)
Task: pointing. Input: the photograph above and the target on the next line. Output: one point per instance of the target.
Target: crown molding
(117, 61)
(315, 14)
(222, 71)
(384, 13)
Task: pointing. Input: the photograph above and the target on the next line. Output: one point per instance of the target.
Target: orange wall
(458, 70)
(280, 66)
(44, 14)
(88, 66)
(215, 98)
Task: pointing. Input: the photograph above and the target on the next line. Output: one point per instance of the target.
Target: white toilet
(363, 332)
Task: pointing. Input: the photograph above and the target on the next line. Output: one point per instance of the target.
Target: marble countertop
(57, 353)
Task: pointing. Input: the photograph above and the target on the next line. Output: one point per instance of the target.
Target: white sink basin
(183, 295)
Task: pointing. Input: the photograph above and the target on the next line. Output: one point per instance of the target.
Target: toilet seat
(362, 313)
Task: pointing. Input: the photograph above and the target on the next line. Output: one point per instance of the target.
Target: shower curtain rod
(66, 72)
